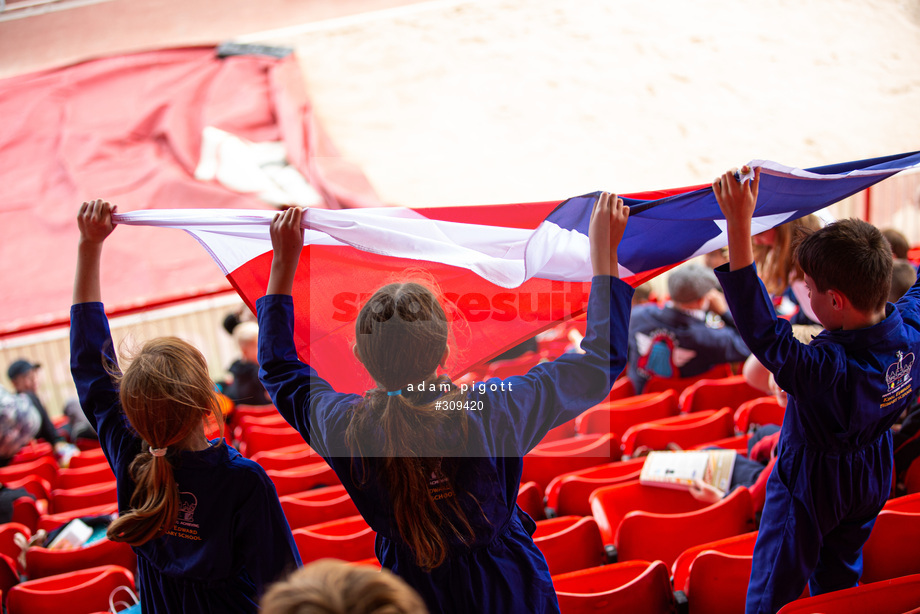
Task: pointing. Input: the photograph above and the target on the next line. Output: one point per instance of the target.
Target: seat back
(87, 458)
(44, 467)
(633, 586)
(906, 503)
(288, 457)
(735, 545)
(912, 477)
(547, 461)
(317, 506)
(85, 476)
(757, 412)
(685, 430)
(886, 554)
(618, 416)
(659, 536)
(716, 393)
(570, 543)
(69, 499)
(530, 499)
(894, 596)
(86, 590)
(514, 366)
(255, 438)
(717, 583)
(679, 384)
(314, 475)
(42, 562)
(347, 539)
(610, 504)
(568, 493)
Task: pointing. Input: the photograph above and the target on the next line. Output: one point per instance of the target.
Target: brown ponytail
(401, 338)
(166, 393)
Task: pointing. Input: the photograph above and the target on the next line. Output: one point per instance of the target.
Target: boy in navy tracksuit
(846, 388)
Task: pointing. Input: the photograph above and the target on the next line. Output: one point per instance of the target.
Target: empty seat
(255, 438)
(895, 596)
(530, 499)
(717, 583)
(679, 384)
(314, 475)
(610, 504)
(514, 366)
(633, 586)
(907, 503)
(890, 551)
(568, 493)
(81, 591)
(547, 461)
(647, 535)
(563, 431)
(45, 468)
(347, 539)
(618, 416)
(85, 476)
(68, 499)
(717, 393)
(288, 457)
(42, 562)
(570, 543)
(742, 545)
(685, 431)
(87, 458)
(912, 477)
(757, 412)
(317, 506)
(49, 522)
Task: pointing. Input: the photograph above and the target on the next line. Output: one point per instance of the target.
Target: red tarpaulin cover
(129, 129)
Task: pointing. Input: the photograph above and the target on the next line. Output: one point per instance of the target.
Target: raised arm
(95, 223)
(287, 243)
(605, 231)
(737, 201)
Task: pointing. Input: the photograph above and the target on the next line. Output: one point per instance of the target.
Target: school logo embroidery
(660, 355)
(898, 378)
(186, 527)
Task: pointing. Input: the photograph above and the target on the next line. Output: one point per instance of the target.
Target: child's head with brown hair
(898, 242)
(330, 586)
(401, 338)
(850, 257)
(167, 394)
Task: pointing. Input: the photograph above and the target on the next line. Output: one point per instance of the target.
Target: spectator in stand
(241, 383)
(903, 276)
(688, 336)
(898, 242)
(330, 586)
(19, 423)
(24, 377)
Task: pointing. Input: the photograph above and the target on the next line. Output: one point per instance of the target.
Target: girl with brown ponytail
(206, 523)
(439, 487)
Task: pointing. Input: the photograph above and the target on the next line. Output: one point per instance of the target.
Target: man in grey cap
(24, 378)
(690, 335)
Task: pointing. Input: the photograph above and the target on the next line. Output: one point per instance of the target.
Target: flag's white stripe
(504, 256)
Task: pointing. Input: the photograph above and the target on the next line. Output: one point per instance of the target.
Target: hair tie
(158, 452)
(394, 393)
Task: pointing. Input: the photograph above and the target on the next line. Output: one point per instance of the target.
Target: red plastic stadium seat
(8, 544)
(736, 545)
(570, 543)
(890, 552)
(85, 476)
(618, 416)
(530, 499)
(347, 539)
(314, 475)
(546, 461)
(49, 522)
(9, 575)
(679, 384)
(87, 458)
(563, 431)
(716, 393)
(686, 431)
(45, 468)
(633, 586)
(317, 506)
(568, 493)
(77, 592)
(65, 500)
(610, 504)
(288, 457)
(42, 562)
(34, 450)
(256, 438)
(764, 410)
(717, 583)
(655, 536)
(34, 485)
(738, 443)
(621, 389)
(894, 596)
(907, 503)
(242, 422)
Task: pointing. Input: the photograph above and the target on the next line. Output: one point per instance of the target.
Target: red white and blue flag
(508, 271)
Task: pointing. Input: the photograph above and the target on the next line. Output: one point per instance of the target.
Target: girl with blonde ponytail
(439, 487)
(206, 523)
